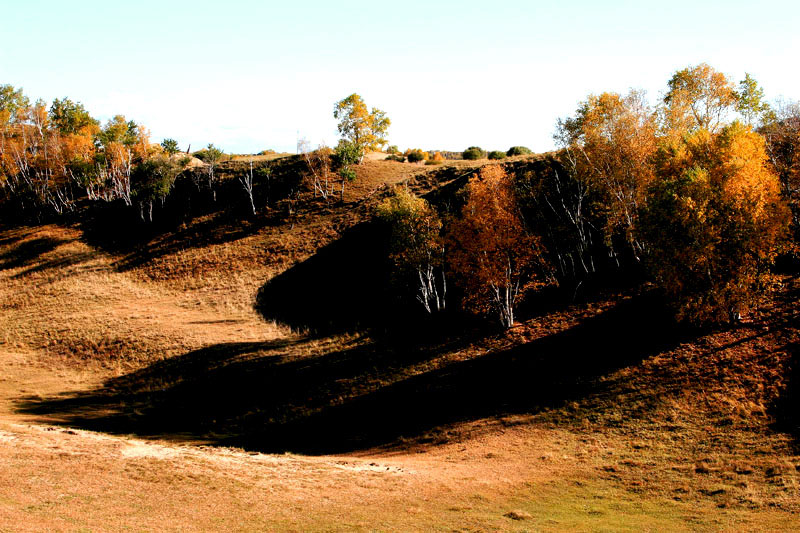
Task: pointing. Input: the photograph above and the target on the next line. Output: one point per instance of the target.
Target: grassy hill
(225, 371)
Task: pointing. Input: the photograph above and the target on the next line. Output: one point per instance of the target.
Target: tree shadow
(786, 409)
(189, 217)
(274, 397)
(342, 287)
(28, 252)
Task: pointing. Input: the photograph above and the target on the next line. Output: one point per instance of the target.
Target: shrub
(518, 150)
(416, 155)
(400, 158)
(433, 162)
(393, 149)
(497, 154)
(474, 152)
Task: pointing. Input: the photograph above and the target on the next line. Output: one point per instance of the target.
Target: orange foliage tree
(714, 222)
(491, 252)
(44, 155)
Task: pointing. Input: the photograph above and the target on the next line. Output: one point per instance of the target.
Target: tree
(417, 247)
(70, 117)
(152, 180)
(170, 146)
(122, 144)
(211, 157)
(518, 150)
(714, 222)
(750, 102)
(365, 129)
(614, 138)
(120, 130)
(491, 252)
(699, 97)
(415, 155)
(783, 147)
(346, 155)
(318, 165)
(246, 181)
(11, 101)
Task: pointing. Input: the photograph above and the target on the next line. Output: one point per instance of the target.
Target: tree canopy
(364, 128)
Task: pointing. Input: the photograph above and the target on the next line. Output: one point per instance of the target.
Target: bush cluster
(518, 150)
(474, 153)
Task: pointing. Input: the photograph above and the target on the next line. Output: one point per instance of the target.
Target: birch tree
(417, 246)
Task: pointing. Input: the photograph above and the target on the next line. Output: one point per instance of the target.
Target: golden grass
(681, 440)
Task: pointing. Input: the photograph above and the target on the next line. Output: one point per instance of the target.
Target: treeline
(53, 158)
(698, 194)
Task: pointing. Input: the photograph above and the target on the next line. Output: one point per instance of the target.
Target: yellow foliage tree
(714, 222)
(699, 97)
(364, 128)
(610, 143)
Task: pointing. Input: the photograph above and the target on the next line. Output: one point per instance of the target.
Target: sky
(249, 76)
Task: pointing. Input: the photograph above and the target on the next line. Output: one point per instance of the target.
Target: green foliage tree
(497, 154)
(417, 247)
(415, 155)
(152, 180)
(211, 156)
(365, 128)
(120, 130)
(11, 102)
(751, 104)
(346, 155)
(70, 117)
(170, 146)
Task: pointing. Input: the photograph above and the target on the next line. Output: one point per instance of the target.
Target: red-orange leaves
(491, 252)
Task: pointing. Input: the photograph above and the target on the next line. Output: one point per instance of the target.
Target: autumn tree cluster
(52, 156)
(695, 194)
(55, 158)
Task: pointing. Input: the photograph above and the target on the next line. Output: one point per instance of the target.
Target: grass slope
(139, 388)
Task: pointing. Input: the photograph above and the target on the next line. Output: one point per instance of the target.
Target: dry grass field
(143, 391)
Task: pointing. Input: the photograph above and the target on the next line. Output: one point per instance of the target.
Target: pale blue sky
(248, 75)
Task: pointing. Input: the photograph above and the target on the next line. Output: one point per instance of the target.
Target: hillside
(223, 371)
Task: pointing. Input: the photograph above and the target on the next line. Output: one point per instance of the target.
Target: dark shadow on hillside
(28, 252)
(192, 216)
(262, 396)
(787, 408)
(340, 288)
